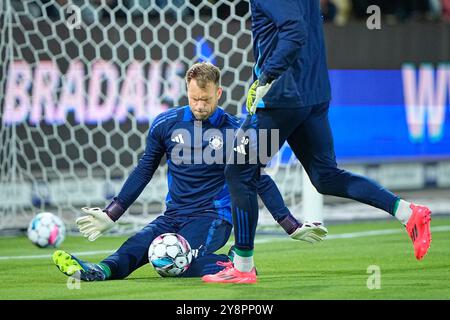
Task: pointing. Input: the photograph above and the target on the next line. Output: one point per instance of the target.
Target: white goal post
(81, 81)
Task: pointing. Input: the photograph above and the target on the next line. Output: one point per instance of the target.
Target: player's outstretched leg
(312, 143)
(133, 253)
(71, 265)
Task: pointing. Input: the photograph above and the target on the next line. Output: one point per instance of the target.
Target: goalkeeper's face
(203, 101)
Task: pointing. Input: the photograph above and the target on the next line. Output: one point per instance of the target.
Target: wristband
(289, 224)
(114, 210)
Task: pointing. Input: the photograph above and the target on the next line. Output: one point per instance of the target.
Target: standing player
(198, 201)
(291, 93)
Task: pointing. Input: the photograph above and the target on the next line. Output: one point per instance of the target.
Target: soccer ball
(46, 230)
(170, 254)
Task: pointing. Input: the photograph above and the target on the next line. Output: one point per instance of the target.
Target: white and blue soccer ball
(170, 254)
(46, 230)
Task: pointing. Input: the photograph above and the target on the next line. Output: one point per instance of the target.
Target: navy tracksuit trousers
(204, 233)
(308, 132)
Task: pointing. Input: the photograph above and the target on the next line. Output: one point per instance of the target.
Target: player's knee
(317, 183)
(325, 181)
(321, 187)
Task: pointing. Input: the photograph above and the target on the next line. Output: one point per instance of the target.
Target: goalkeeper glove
(94, 224)
(98, 221)
(311, 232)
(257, 91)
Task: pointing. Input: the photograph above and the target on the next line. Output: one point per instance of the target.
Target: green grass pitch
(334, 269)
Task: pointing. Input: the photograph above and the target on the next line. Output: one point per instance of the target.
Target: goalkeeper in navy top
(198, 202)
(291, 95)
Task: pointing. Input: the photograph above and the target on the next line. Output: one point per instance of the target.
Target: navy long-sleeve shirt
(195, 187)
(288, 45)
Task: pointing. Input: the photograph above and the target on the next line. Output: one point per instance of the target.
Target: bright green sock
(243, 253)
(396, 206)
(106, 270)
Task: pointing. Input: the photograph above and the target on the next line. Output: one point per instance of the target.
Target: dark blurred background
(339, 12)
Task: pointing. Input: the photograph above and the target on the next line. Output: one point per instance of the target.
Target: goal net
(81, 82)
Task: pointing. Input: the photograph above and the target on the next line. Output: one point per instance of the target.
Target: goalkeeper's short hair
(203, 72)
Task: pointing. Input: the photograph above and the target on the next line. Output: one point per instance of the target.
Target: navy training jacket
(195, 187)
(289, 45)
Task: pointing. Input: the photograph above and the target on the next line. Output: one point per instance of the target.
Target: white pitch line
(264, 240)
(353, 234)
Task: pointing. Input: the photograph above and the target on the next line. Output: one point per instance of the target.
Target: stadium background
(75, 103)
